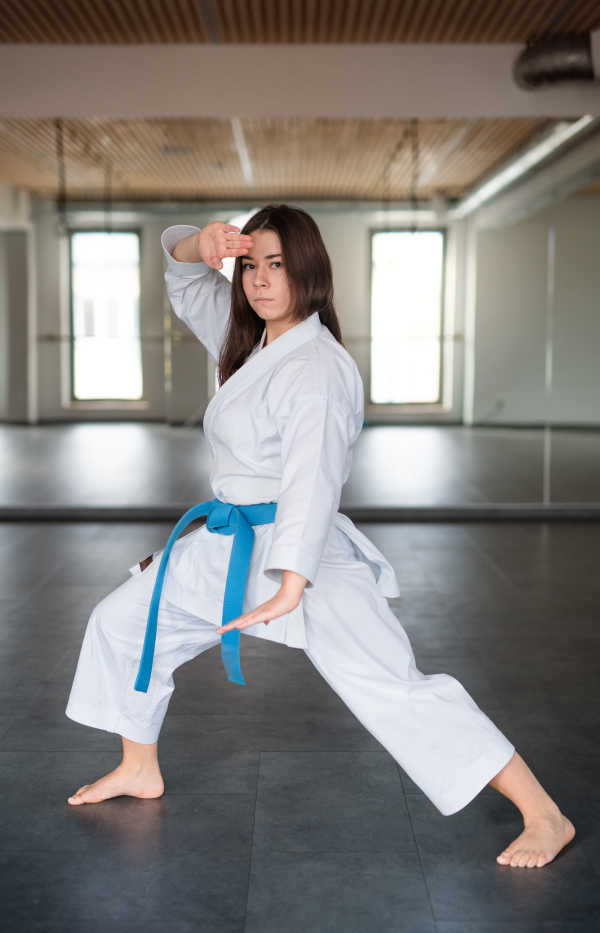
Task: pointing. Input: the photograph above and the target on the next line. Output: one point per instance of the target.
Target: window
(406, 316)
(105, 288)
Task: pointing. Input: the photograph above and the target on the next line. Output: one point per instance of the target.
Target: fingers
(237, 237)
(238, 242)
(216, 263)
(241, 623)
(274, 608)
(250, 618)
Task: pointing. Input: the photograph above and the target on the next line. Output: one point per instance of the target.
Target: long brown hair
(310, 279)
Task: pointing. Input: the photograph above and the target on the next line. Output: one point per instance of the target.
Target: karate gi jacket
(281, 429)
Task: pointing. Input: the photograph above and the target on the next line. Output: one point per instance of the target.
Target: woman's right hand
(219, 240)
(213, 244)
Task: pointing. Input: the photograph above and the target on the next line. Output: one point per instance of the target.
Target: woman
(282, 427)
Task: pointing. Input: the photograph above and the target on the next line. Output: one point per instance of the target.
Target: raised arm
(199, 294)
(212, 244)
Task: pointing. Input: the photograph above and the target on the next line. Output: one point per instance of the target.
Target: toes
(504, 858)
(79, 798)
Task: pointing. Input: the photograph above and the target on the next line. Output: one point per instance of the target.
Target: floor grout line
(412, 829)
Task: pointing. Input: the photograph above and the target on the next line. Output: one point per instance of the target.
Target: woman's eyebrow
(272, 256)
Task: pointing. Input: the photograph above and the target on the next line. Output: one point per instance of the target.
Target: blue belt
(223, 519)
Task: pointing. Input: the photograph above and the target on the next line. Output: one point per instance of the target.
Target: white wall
(511, 318)
(14, 336)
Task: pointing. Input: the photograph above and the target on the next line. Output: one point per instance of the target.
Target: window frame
(104, 402)
(438, 405)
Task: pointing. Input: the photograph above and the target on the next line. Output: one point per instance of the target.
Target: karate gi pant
(428, 723)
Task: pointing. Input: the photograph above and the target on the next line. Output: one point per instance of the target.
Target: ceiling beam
(548, 185)
(346, 81)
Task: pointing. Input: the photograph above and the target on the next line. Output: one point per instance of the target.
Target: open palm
(219, 240)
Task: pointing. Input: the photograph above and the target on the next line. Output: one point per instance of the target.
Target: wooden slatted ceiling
(313, 21)
(291, 158)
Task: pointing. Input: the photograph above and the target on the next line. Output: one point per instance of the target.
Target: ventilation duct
(559, 58)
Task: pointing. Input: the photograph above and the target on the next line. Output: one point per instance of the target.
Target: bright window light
(406, 316)
(105, 283)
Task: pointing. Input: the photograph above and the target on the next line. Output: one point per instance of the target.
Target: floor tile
(328, 892)
(104, 926)
(516, 926)
(209, 824)
(183, 885)
(34, 886)
(214, 768)
(34, 787)
(331, 801)
(315, 731)
(465, 882)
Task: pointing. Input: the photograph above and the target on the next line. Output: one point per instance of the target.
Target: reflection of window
(406, 316)
(105, 284)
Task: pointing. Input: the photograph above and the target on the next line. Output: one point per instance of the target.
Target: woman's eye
(276, 265)
(247, 266)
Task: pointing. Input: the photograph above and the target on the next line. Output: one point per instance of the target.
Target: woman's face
(264, 277)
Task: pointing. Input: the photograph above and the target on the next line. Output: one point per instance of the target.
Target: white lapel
(262, 362)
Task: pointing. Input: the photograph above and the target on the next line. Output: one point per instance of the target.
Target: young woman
(282, 427)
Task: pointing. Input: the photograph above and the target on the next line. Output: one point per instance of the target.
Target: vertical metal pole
(32, 329)
(61, 200)
(547, 469)
(469, 322)
(67, 336)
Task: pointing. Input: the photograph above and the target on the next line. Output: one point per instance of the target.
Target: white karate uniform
(282, 429)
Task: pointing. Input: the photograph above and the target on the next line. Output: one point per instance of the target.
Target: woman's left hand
(284, 601)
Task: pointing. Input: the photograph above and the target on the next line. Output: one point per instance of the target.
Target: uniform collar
(260, 362)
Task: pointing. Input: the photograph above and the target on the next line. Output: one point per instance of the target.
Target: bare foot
(539, 843)
(122, 781)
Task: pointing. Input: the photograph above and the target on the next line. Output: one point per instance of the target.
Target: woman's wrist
(188, 249)
(293, 584)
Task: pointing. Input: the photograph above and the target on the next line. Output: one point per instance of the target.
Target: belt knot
(223, 518)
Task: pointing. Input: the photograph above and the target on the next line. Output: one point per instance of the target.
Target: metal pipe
(557, 58)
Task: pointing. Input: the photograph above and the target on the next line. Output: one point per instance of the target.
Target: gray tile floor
(281, 813)
(137, 464)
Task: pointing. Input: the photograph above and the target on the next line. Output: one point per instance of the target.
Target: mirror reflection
(466, 267)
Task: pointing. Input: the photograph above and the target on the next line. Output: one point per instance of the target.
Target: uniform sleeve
(314, 453)
(200, 296)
